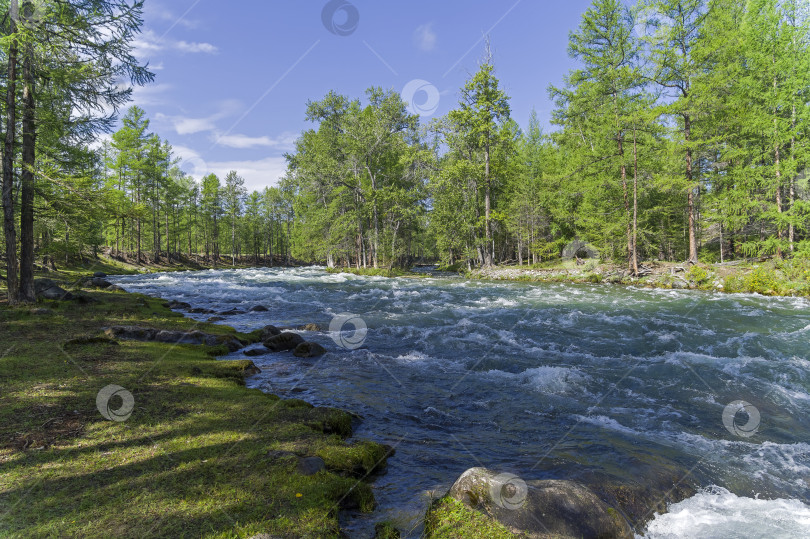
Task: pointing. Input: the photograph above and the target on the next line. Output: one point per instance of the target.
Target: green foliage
(448, 518)
(697, 276)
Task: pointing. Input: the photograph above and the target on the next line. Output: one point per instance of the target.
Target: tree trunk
(487, 254)
(29, 136)
(9, 227)
(634, 242)
(690, 196)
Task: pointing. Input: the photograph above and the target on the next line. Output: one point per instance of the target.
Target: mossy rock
(448, 518)
(358, 460)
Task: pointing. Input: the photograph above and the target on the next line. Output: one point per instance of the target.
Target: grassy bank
(200, 456)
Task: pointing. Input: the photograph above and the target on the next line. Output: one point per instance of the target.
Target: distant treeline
(681, 135)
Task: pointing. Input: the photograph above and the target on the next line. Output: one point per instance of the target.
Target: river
(596, 383)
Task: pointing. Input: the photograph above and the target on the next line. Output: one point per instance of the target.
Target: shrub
(594, 277)
(697, 276)
(590, 265)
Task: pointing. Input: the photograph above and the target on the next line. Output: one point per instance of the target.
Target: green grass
(199, 456)
(448, 518)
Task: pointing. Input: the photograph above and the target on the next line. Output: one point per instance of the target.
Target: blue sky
(233, 78)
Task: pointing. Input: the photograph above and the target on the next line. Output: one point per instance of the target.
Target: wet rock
(269, 331)
(48, 289)
(259, 309)
(231, 312)
(173, 304)
(283, 341)
(310, 465)
(201, 310)
(539, 508)
(309, 327)
(99, 275)
(255, 352)
(304, 327)
(215, 319)
(250, 369)
(309, 349)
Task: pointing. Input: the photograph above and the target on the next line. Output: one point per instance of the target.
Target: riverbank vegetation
(200, 455)
(681, 135)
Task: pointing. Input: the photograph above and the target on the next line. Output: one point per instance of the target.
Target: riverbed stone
(283, 341)
(541, 508)
(309, 349)
(259, 309)
(269, 331)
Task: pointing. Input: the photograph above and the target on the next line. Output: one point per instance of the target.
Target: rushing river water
(588, 382)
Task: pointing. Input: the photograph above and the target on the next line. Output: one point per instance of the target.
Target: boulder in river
(269, 331)
(201, 310)
(174, 304)
(100, 275)
(231, 312)
(542, 508)
(309, 349)
(97, 282)
(283, 341)
(259, 309)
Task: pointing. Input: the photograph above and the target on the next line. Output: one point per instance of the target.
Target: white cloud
(149, 43)
(150, 95)
(188, 126)
(258, 173)
(185, 125)
(185, 46)
(424, 37)
(153, 10)
(285, 141)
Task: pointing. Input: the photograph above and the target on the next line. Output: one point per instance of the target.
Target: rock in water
(309, 349)
(270, 331)
(310, 327)
(283, 341)
(539, 508)
(259, 309)
(100, 274)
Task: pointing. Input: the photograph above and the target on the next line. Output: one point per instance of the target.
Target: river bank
(768, 278)
(789, 278)
(198, 454)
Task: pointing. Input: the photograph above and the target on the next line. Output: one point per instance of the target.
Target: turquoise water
(602, 384)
